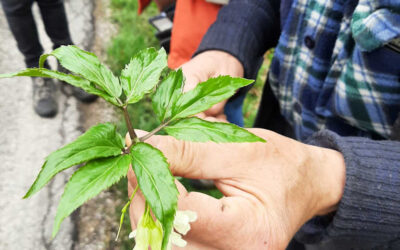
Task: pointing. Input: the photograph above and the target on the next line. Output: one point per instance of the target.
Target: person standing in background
(23, 27)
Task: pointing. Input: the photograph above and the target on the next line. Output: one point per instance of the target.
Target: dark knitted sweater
(368, 216)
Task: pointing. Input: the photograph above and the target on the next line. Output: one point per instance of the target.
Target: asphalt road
(26, 139)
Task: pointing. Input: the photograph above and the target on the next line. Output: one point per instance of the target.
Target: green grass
(135, 33)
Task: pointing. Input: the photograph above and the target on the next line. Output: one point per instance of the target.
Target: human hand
(209, 64)
(270, 189)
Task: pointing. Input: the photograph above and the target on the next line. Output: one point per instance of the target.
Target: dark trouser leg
(55, 21)
(22, 25)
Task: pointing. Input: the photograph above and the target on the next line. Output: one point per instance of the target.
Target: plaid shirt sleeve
(331, 69)
(375, 23)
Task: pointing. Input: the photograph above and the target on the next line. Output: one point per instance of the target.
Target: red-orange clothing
(142, 5)
(191, 21)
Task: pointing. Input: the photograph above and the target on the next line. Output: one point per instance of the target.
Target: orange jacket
(191, 21)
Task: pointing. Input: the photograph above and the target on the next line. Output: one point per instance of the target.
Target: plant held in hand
(102, 150)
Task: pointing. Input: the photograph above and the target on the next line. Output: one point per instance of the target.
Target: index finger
(189, 159)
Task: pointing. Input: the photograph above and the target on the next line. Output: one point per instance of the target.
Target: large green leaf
(167, 94)
(157, 184)
(198, 130)
(142, 73)
(76, 81)
(207, 94)
(88, 66)
(99, 141)
(87, 182)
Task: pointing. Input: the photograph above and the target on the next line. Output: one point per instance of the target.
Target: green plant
(134, 32)
(253, 97)
(102, 150)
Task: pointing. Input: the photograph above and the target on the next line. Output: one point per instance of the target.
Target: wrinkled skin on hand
(270, 189)
(210, 64)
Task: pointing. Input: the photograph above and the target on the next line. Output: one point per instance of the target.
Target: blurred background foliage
(135, 33)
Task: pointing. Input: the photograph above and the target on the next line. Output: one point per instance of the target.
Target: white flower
(177, 240)
(182, 220)
(132, 235)
(181, 225)
(149, 232)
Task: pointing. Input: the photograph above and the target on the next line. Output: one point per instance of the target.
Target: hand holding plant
(270, 189)
(102, 151)
(208, 64)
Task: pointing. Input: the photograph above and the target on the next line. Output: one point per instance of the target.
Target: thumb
(189, 159)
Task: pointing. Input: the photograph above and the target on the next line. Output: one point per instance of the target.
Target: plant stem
(154, 131)
(123, 211)
(119, 102)
(132, 133)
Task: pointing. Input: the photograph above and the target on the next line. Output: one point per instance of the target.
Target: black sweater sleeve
(369, 211)
(246, 29)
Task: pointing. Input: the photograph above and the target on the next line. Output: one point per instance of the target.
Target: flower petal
(177, 240)
(156, 236)
(148, 233)
(182, 228)
(191, 215)
(181, 218)
(142, 239)
(132, 234)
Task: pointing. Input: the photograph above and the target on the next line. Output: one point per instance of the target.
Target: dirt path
(25, 139)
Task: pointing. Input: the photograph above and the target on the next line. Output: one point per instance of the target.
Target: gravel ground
(25, 139)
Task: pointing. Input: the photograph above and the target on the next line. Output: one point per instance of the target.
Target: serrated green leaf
(87, 182)
(198, 130)
(142, 74)
(157, 184)
(207, 94)
(88, 66)
(99, 141)
(167, 94)
(76, 81)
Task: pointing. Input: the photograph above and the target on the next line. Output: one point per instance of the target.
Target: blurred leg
(55, 21)
(56, 25)
(22, 25)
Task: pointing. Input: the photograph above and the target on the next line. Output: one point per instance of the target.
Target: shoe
(44, 97)
(82, 95)
(78, 93)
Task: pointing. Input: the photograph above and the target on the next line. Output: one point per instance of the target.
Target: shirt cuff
(369, 211)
